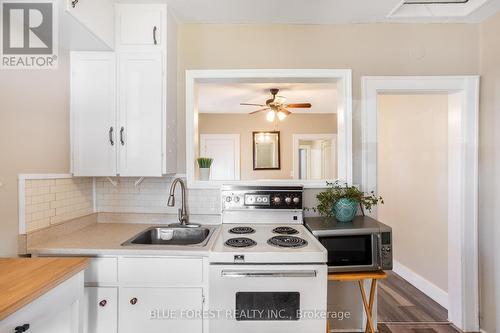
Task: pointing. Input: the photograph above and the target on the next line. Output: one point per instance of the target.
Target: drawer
(102, 270)
(160, 270)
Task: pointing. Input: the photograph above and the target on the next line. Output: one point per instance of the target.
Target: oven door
(351, 253)
(268, 298)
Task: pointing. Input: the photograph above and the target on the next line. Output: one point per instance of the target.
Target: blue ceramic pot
(345, 209)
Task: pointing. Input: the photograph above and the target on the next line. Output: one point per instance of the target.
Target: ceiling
(226, 97)
(324, 11)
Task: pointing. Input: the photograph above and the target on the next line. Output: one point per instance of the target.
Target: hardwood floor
(402, 308)
(400, 302)
(416, 328)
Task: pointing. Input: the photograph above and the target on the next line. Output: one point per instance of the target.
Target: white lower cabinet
(133, 294)
(160, 310)
(101, 310)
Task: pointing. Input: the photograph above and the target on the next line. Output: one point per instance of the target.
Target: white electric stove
(268, 273)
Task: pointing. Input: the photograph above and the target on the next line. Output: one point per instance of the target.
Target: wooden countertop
(22, 280)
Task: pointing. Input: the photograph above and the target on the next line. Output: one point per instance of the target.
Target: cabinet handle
(73, 3)
(103, 303)
(154, 35)
(22, 328)
(122, 139)
(111, 141)
(133, 301)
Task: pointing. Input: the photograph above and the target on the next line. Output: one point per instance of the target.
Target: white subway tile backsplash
(52, 201)
(150, 196)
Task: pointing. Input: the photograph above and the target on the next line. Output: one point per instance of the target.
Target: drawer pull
(133, 301)
(22, 328)
(103, 303)
(110, 133)
(154, 35)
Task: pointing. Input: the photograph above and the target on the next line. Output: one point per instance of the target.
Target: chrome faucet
(183, 216)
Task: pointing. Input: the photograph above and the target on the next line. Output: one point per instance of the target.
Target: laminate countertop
(107, 238)
(22, 280)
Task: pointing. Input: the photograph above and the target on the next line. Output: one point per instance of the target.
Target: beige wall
(244, 125)
(368, 49)
(34, 135)
(489, 175)
(412, 179)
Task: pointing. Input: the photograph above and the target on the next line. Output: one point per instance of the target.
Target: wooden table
(22, 280)
(360, 277)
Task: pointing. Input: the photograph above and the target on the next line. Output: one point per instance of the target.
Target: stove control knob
(296, 200)
(288, 200)
(228, 199)
(277, 200)
(236, 199)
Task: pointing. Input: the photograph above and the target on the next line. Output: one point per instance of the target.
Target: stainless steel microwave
(361, 245)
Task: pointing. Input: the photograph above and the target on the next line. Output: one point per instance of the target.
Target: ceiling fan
(277, 106)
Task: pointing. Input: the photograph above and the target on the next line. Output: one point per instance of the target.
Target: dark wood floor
(402, 308)
(400, 302)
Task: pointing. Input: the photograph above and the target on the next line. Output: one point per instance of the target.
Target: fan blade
(260, 110)
(285, 111)
(251, 104)
(298, 105)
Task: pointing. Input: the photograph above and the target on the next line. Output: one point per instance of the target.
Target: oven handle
(259, 274)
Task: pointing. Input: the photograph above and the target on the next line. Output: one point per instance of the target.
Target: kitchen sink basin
(197, 236)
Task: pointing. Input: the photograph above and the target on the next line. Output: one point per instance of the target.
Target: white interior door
(139, 135)
(93, 114)
(225, 150)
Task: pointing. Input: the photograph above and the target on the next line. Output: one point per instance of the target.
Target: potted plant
(204, 163)
(341, 201)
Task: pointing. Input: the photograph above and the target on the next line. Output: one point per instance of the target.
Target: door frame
(236, 140)
(463, 110)
(297, 137)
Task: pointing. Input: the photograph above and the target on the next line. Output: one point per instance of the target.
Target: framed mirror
(266, 150)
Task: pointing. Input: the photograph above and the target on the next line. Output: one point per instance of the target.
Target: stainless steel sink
(198, 236)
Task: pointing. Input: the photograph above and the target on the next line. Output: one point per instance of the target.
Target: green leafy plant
(204, 162)
(337, 191)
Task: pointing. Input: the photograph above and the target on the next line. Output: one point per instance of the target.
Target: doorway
(462, 159)
(412, 177)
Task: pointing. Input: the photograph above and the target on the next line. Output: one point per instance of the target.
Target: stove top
(287, 241)
(263, 245)
(240, 242)
(242, 230)
(284, 230)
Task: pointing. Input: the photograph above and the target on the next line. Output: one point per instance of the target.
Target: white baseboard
(437, 294)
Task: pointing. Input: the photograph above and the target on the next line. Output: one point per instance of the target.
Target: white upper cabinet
(140, 114)
(93, 113)
(133, 100)
(140, 25)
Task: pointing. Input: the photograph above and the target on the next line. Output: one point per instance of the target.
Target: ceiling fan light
(281, 115)
(270, 116)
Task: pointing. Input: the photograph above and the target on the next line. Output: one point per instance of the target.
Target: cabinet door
(93, 114)
(100, 310)
(152, 310)
(140, 25)
(140, 114)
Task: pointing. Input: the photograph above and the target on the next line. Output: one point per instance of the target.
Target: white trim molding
(343, 80)
(463, 91)
(430, 289)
